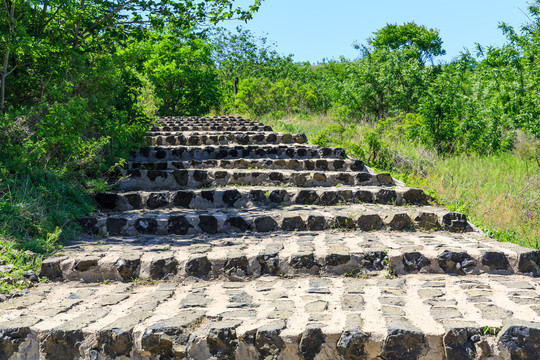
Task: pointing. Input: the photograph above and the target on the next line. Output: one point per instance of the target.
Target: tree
(44, 41)
(426, 42)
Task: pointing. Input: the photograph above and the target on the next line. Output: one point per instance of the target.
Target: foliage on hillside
(80, 84)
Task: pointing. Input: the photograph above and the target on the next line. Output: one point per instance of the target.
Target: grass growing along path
(499, 193)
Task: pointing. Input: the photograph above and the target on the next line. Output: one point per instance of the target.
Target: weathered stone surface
(351, 345)
(402, 344)
(311, 342)
(199, 267)
(456, 262)
(455, 222)
(415, 261)
(222, 341)
(62, 344)
(529, 262)
(459, 344)
(520, 339)
(50, 268)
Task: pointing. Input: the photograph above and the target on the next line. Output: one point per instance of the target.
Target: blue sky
(317, 29)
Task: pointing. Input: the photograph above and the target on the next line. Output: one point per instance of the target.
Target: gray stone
(62, 344)
(50, 268)
(163, 267)
(311, 343)
(403, 344)
(269, 342)
(458, 344)
(315, 222)
(269, 263)
(529, 262)
(306, 197)
(456, 262)
(178, 225)
(521, 339)
(495, 260)
(222, 342)
(428, 221)
(351, 345)
(293, 223)
(146, 225)
(157, 200)
(199, 267)
(455, 222)
(11, 339)
(265, 224)
(369, 222)
(400, 221)
(415, 261)
(208, 224)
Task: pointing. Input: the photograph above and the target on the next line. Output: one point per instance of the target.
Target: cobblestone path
(226, 240)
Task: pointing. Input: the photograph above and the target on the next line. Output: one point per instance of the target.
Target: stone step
(365, 217)
(214, 139)
(190, 179)
(411, 317)
(176, 127)
(219, 152)
(242, 197)
(331, 253)
(211, 122)
(254, 164)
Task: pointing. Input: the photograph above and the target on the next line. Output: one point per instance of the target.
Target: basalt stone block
(208, 195)
(335, 259)
(374, 260)
(357, 165)
(276, 176)
(128, 268)
(115, 225)
(268, 341)
(364, 196)
(339, 153)
(345, 195)
(183, 198)
(147, 226)
(135, 200)
(236, 266)
(415, 261)
(257, 196)
(386, 196)
(455, 222)
(338, 164)
(344, 222)
(107, 200)
(311, 343)
(385, 179)
(402, 344)
(300, 138)
(200, 176)
(456, 262)
(415, 197)
(265, 224)
(50, 268)
(11, 339)
(269, 263)
(321, 164)
(286, 138)
(299, 179)
(292, 164)
(199, 267)
(315, 222)
(329, 198)
(62, 344)
(277, 196)
(458, 344)
(400, 221)
(181, 177)
(369, 222)
(154, 174)
(237, 223)
(115, 342)
(495, 260)
(427, 221)
(352, 345)
(208, 224)
(302, 152)
(521, 339)
(363, 177)
(306, 197)
(178, 225)
(157, 200)
(271, 138)
(320, 177)
(293, 223)
(231, 196)
(89, 225)
(299, 261)
(222, 342)
(529, 262)
(162, 267)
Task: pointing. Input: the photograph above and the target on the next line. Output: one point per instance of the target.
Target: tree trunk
(3, 83)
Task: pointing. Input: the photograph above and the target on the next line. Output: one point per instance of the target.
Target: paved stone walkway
(225, 240)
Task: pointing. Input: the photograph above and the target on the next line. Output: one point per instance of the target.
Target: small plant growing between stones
(359, 273)
(488, 330)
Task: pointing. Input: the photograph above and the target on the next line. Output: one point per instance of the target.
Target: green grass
(499, 193)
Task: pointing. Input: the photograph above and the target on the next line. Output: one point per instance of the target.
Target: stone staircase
(225, 240)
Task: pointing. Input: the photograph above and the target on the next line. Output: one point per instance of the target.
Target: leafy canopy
(427, 42)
